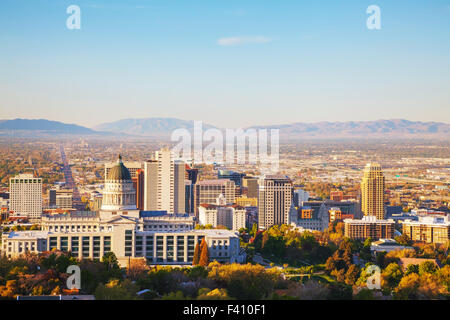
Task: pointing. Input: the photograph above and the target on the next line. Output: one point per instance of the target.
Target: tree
(254, 230)
(136, 269)
(340, 291)
(204, 255)
(412, 268)
(115, 290)
(109, 259)
(352, 275)
(427, 267)
(196, 258)
(391, 276)
(364, 294)
(245, 281)
(216, 294)
(404, 240)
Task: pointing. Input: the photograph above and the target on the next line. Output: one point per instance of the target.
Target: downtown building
(208, 191)
(309, 219)
(164, 183)
(369, 227)
(232, 217)
(274, 201)
(372, 191)
(26, 196)
(429, 229)
(157, 236)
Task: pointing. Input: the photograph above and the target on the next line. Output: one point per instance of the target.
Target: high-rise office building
(52, 197)
(207, 192)
(164, 183)
(274, 200)
(179, 186)
(372, 191)
(26, 196)
(252, 186)
(138, 184)
(192, 175)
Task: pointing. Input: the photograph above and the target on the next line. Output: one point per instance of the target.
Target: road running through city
(70, 183)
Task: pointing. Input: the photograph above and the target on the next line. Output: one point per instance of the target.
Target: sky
(230, 63)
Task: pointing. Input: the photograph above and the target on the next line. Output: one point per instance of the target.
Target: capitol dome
(118, 193)
(119, 171)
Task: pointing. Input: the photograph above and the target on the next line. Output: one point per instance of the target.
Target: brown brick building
(369, 227)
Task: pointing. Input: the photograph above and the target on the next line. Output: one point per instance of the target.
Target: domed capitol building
(119, 193)
(156, 236)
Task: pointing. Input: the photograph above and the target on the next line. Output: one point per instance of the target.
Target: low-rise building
(160, 239)
(369, 227)
(18, 243)
(244, 201)
(431, 229)
(386, 245)
(230, 216)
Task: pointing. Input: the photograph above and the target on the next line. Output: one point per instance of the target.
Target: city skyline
(267, 63)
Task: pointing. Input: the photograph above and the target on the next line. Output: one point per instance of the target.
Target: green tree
(412, 268)
(427, 267)
(391, 276)
(111, 263)
(116, 290)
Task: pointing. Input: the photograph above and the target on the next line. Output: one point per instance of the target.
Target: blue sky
(229, 63)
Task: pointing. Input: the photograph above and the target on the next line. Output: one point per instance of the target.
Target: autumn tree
(352, 274)
(245, 281)
(196, 258)
(204, 255)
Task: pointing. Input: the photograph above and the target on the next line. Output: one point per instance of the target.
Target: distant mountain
(28, 127)
(162, 128)
(148, 126)
(395, 128)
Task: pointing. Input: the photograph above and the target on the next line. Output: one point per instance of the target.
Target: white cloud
(232, 41)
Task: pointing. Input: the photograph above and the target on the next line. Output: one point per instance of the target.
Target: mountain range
(41, 127)
(163, 127)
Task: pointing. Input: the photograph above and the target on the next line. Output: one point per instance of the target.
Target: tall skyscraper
(26, 196)
(151, 185)
(179, 186)
(274, 200)
(372, 191)
(192, 175)
(164, 183)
